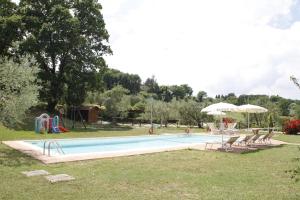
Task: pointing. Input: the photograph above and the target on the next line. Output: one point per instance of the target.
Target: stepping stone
(59, 178)
(35, 173)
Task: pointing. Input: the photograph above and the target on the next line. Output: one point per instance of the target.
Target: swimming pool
(91, 148)
(89, 145)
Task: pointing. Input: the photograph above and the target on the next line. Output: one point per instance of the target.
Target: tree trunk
(199, 124)
(51, 106)
(55, 92)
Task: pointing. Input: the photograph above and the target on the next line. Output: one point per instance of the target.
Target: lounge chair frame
(227, 145)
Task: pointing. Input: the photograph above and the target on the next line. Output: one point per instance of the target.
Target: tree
(181, 91)
(165, 93)
(151, 86)
(18, 90)
(188, 91)
(131, 82)
(294, 110)
(66, 38)
(201, 96)
(190, 112)
(10, 24)
(114, 103)
(160, 111)
(96, 98)
(231, 98)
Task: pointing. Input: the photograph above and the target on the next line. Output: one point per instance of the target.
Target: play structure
(45, 124)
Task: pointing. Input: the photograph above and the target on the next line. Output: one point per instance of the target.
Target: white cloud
(213, 45)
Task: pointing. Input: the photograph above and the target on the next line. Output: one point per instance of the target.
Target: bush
(18, 90)
(292, 127)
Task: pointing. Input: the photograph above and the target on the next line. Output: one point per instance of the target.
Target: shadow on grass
(258, 148)
(249, 149)
(13, 158)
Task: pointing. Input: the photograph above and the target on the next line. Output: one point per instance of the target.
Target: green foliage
(181, 91)
(18, 90)
(67, 39)
(10, 24)
(131, 82)
(165, 93)
(201, 96)
(151, 86)
(115, 101)
(95, 98)
(190, 113)
(160, 111)
(294, 110)
(75, 89)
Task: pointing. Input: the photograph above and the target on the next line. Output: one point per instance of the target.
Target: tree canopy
(10, 27)
(131, 82)
(66, 37)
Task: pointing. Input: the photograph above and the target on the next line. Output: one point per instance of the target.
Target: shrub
(18, 90)
(292, 127)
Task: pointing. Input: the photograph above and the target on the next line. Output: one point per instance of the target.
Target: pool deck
(37, 152)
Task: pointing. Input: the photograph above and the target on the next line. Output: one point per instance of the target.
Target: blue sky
(285, 21)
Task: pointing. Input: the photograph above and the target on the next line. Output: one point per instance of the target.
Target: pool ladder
(53, 142)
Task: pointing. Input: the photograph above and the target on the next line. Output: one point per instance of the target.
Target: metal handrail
(57, 145)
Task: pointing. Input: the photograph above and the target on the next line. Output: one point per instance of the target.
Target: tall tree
(131, 82)
(201, 96)
(10, 23)
(67, 38)
(165, 93)
(151, 85)
(181, 91)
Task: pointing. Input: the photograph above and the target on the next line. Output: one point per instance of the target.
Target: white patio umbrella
(249, 108)
(216, 113)
(221, 107)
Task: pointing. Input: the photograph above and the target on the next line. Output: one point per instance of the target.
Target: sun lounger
(245, 140)
(231, 126)
(266, 138)
(254, 138)
(226, 144)
(213, 129)
(231, 129)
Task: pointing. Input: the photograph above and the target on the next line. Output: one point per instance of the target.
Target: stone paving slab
(59, 178)
(35, 173)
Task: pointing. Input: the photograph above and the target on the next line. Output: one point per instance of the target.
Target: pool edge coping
(36, 153)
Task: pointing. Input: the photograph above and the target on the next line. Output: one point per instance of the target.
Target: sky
(217, 46)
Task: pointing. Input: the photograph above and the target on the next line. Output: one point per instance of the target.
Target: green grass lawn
(186, 174)
(288, 138)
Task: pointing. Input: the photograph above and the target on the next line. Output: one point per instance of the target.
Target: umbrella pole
(222, 140)
(221, 129)
(248, 120)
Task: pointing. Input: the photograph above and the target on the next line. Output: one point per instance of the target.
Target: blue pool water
(91, 145)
